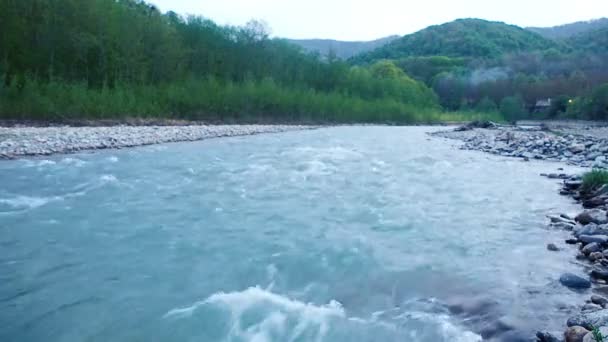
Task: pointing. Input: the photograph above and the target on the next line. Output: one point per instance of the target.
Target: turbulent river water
(336, 234)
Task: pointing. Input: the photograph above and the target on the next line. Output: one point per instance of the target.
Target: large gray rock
(599, 300)
(600, 239)
(591, 248)
(574, 282)
(600, 273)
(590, 229)
(596, 216)
(588, 320)
(575, 334)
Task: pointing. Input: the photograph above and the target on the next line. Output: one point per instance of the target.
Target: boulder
(574, 282)
(600, 273)
(573, 184)
(599, 300)
(599, 239)
(588, 320)
(596, 216)
(575, 334)
(552, 247)
(591, 248)
(576, 148)
(590, 229)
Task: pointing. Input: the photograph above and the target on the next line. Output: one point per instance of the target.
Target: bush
(593, 180)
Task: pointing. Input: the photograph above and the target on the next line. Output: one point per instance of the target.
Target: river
(336, 234)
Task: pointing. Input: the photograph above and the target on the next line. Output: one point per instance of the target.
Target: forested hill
(595, 41)
(75, 59)
(569, 30)
(462, 38)
(341, 49)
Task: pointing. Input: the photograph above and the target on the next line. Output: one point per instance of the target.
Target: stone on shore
(552, 247)
(591, 248)
(575, 334)
(600, 239)
(574, 282)
(588, 320)
(596, 216)
(599, 300)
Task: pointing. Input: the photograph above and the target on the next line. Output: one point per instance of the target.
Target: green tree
(512, 108)
(486, 105)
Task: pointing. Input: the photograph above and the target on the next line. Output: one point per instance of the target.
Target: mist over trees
(475, 64)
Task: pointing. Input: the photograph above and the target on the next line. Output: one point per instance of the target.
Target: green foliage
(598, 105)
(559, 106)
(207, 100)
(593, 180)
(597, 334)
(486, 105)
(512, 108)
(113, 58)
(461, 38)
(425, 69)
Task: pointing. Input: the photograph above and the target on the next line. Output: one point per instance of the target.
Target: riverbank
(36, 141)
(581, 146)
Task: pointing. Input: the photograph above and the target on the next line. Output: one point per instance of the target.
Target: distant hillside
(570, 30)
(595, 41)
(462, 38)
(342, 49)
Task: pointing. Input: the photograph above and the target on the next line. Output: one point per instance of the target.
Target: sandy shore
(32, 141)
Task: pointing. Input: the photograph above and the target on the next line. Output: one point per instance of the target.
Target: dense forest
(473, 64)
(69, 59)
(97, 59)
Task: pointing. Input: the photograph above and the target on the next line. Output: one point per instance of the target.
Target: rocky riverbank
(32, 141)
(586, 147)
(582, 147)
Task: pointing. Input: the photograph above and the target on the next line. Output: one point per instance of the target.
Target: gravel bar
(37, 141)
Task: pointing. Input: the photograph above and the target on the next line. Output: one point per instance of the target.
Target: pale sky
(371, 19)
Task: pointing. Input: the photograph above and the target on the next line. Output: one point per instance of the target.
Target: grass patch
(593, 180)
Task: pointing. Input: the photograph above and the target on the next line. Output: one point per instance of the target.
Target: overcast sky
(370, 19)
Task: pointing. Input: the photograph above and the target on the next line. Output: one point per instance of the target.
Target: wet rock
(575, 334)
(563, 225)
(573, 184)
(599, 239)
(591, 248)
(572, 241)
(560, 219)
(574, 282)
(590, 229)
(599, 300)
(592, 216)
(595, 256)
(588, 320)
(591, 307)
(600, 273)
(552, 247)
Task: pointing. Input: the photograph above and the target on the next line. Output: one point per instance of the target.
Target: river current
(336, 234)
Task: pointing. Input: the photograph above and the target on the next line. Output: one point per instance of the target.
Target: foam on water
(28, 202)
(279, 310)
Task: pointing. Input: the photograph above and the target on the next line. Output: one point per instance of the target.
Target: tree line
(474, 64)
(69, 59)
